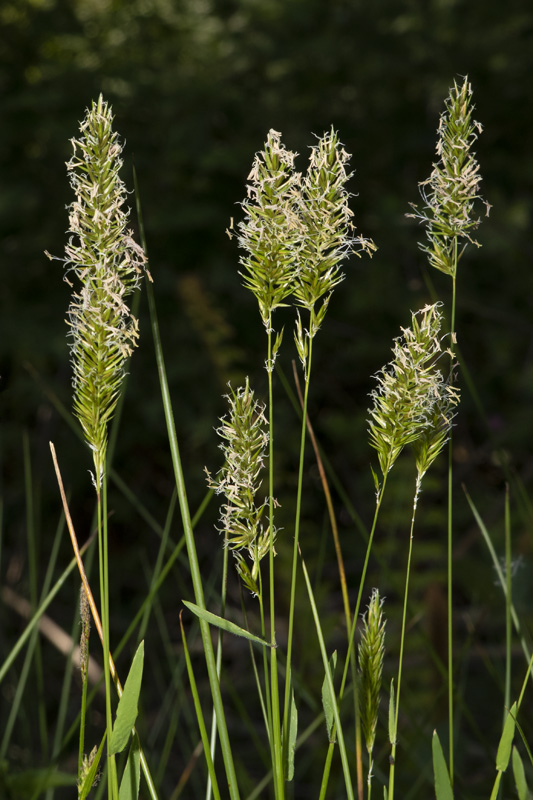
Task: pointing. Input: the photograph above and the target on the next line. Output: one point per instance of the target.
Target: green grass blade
(506, 741)
(340, 735)
(223, 624)
(200, 716)
(520, 776)
(128, 705)
(131, 778)
(188, 531)
(443, 787)
(328, 701)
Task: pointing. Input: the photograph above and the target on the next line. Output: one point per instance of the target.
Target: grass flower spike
(327, 222)
(270, 230)
(327, 234)
(245, 441)
(371, 654)
(450, 192)
(109, 266)
(412, 399)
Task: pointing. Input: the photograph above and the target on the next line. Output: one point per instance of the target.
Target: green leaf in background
(291, 740)
(33, 782)
(223, 624)
(128, 704)
(328, 702)
(130, 783)
(443, 787)
(504, 748)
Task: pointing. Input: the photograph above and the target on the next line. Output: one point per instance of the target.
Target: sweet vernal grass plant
(413, 405)
(104, 265)
(296, 232)
(450, 196)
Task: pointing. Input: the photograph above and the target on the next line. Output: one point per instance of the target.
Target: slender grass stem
(213, 735)
(277, 765)
(402, 646)
(342, 578)
(101, 495)
(508, 605)
(286, 705)
(450, 540)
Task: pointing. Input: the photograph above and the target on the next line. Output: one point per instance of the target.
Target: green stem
(286, 705)
(351, 637)
(402, 644)
(450, 544)
(213, 735)
(101, 495)
(277, 761)
(508, 605)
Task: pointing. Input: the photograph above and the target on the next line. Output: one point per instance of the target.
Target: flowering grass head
(270, 232)
(244, 434)
(327, 229)
(371, 653)
(107, 265)
(413, 399)
(452, 189)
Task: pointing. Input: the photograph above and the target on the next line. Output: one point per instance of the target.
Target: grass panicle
(450, 193)
(270, 231)
(371, 654)
(108, 264)
(412, 394)
(245, 441)
(327, 227)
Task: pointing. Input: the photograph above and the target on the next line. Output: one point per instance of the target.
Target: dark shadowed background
(195, 85)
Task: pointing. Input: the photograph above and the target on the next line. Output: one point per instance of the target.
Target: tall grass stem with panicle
(103, 257)
(270, 235)
(449, 196)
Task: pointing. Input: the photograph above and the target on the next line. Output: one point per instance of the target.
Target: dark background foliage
(195, 85)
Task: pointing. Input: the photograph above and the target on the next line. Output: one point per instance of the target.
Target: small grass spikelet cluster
(449, 194)
(413, 400)
(245, 440)
(371, 653)
(109, 265)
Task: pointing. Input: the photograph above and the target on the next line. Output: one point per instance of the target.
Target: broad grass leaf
(131, 778)
(506, 742)
(443, 787)
(223, 624)
(520, 776)
(328, 702)
(127, 709)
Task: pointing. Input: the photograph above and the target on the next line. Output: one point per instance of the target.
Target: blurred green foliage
(195, 85)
